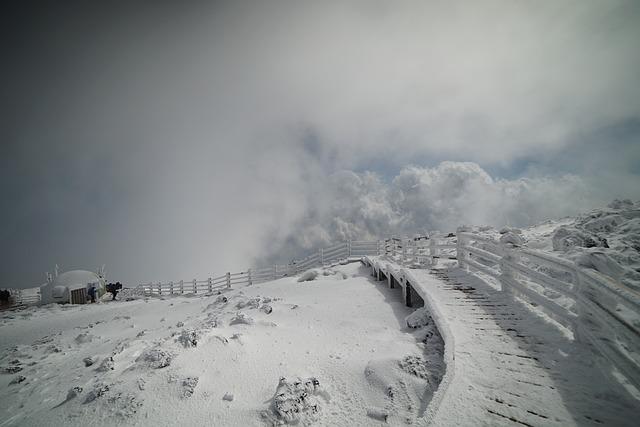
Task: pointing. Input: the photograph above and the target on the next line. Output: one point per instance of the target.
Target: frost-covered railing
(598, 310)
(23, 297)
(418, 251)
(352, 249)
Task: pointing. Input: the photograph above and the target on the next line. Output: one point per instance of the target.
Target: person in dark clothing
(113, 288)
(4, 296)
(92, 293)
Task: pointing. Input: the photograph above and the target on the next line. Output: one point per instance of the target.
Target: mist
(180, 141)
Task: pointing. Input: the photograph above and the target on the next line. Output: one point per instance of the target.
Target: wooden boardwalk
(505, 364)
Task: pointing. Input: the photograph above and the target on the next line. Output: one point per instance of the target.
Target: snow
(330, 347)
(199, 360)
(606, 240)
(504, 364)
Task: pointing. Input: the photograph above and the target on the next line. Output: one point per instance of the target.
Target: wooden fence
(350, 250)
(598, 310)
(23, 297)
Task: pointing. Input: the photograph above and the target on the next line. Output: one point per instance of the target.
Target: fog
(179, 141)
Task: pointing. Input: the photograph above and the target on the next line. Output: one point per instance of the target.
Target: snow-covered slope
(335, 350)
(606, 240)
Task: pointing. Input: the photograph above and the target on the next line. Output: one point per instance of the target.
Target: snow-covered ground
(335, 350)
(605, 239)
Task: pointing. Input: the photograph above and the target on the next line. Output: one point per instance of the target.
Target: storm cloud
(173, 141)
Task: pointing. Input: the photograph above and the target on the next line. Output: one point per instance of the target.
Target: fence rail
(325, 256)
(588, 303)
(23, 297)
(420, 253)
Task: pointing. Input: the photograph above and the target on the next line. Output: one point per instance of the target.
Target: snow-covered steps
(505, 364)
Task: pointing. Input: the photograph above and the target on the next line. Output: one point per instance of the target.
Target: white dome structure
(60, 288)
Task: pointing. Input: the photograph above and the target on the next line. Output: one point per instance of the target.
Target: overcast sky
(179, 141)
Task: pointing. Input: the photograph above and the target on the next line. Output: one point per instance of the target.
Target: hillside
(335, 350)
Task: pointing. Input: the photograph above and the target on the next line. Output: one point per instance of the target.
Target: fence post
(404, 250)
(159, 288)
(507, 273)
(433, 250)
(228, 279)
(460, 252)
(210, 283)
(181, 287)
(249, 276)
(195, 286)
(322, 257)
(349, 247)
(580, 311)
(275, 271)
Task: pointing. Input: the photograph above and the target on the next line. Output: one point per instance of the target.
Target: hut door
(79, 296)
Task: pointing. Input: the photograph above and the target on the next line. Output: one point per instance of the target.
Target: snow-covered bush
(308, 275)
(241, 319)
(188, 338)
(188, 386)
(155, 358)
(295, 401)
(418, 318)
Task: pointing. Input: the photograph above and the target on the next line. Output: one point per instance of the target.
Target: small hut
(72, 286)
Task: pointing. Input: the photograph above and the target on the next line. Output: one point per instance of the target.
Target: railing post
(404, 251)
(195, 286)
(228, 279)
(507, 273)
(249, 276)
(460, 252)
(322, 257)
(349, 248)
(159, 288)
(210, 284)
(580, 309)
(433, 250)
(275, 271)
(181, 287)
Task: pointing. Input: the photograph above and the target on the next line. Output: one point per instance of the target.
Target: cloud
(349, 205)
